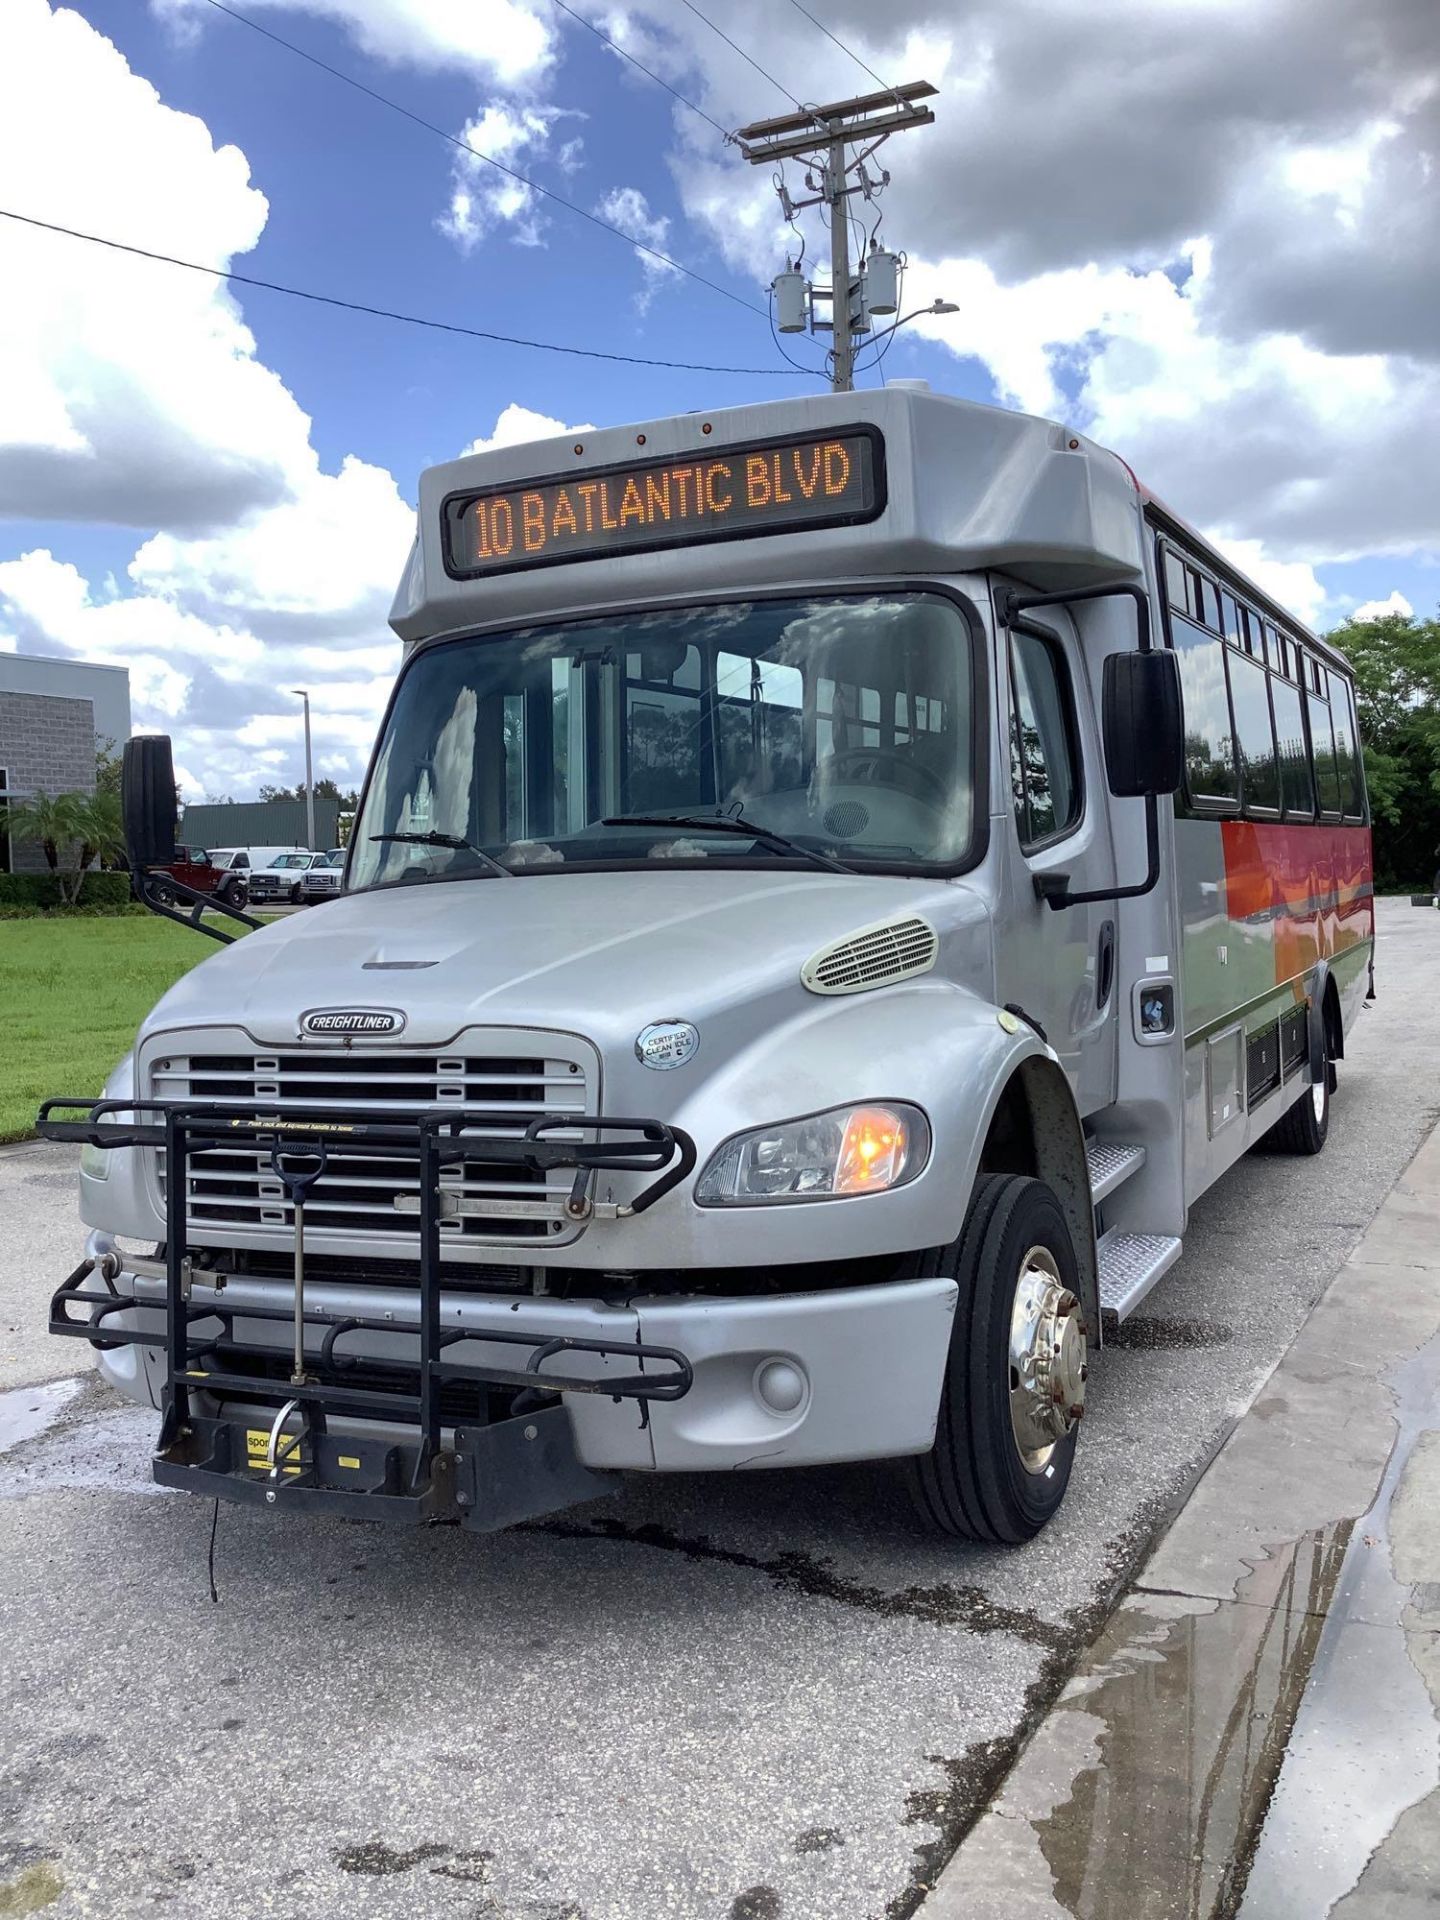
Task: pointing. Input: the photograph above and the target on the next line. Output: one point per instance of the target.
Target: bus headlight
(826, 1156)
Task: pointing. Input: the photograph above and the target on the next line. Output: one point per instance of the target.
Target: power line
(454, 140)
(615, 47)
(842, 46)
(384, 313)
(735, 48)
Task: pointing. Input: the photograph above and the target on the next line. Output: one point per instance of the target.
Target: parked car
(322, 881)
(193, 867)
(247, 859)
(283, 878)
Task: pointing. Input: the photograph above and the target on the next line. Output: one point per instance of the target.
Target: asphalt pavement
(765, 1697)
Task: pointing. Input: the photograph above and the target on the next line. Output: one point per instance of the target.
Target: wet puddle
(27, 1412)
(1246, 1759)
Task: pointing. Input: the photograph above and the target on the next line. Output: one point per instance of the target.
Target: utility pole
(823, 135)
(309, 775)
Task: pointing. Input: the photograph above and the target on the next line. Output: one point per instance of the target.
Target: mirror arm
(142, 881)
(1058, 896)
(1013, 604)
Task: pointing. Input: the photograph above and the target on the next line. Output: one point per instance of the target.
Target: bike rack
(372, 1478)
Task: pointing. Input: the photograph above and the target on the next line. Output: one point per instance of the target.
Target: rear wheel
(163, 894)
(1014, 1386)
(1306, 1127)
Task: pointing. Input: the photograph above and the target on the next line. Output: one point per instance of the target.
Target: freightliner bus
(836, 880)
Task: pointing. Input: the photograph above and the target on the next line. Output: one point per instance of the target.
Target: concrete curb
(1145, 1788)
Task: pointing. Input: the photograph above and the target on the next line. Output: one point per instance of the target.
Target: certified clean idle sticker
(666, 1043)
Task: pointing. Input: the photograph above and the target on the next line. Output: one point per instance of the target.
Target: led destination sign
(774, 487)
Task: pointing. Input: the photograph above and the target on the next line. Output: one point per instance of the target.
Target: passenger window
(1230, 620)
(1175, 587)
(1295, 785)
(1259, 771)
(1210, 773)
(1347, 748)
(1322, 740)
(1044, 769)
(1209, 605)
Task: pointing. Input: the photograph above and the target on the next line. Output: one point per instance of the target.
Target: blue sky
(1123, 316)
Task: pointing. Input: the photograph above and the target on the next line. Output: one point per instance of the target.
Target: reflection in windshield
(843, 724)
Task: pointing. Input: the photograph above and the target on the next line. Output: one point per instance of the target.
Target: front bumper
(781, 1380)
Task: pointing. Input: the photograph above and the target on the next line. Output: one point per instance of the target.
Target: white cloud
(629, 210)
(146, 405)
(482, 198)
(1380, 609)
(512, 44)
(129, 392)
(517, 424)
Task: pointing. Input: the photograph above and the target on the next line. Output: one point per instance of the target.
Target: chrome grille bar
(235, 1187)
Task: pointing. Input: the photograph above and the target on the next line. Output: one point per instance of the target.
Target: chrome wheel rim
(1048, 1365)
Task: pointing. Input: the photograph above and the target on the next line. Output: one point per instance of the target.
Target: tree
(325, 789)
(1397, 688)
(108, 767)
(74, 830)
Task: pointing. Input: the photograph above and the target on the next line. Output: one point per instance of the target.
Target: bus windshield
(843, 724)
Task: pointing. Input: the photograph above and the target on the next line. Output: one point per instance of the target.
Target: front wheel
(1014, 1385)
(297, 895)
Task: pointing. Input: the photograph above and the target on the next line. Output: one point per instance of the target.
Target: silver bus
(836, 880)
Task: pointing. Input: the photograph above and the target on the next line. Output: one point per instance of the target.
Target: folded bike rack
(495, 1472)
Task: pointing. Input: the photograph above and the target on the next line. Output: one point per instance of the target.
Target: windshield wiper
(453, 842)
(732, 823)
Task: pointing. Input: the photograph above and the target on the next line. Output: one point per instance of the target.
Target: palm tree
(73, 829)
(50, 819)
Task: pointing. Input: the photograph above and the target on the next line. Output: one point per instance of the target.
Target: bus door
(1060, 966)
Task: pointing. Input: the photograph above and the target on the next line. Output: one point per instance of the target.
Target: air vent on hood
(872, 957)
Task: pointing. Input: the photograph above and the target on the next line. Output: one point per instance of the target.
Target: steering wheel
(908, 775)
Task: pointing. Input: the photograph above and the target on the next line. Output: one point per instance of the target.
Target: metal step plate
(1130, 1265)
(1110, 1164)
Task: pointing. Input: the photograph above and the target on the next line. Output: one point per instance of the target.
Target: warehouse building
(259, 823)
(54, 714)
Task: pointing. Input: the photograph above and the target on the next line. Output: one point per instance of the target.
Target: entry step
(1130, 1265)
(1111, 1163)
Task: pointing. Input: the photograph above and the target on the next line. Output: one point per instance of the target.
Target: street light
(304, 694)
(920, 313)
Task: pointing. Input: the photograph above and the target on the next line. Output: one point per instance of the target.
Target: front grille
(236, 1187)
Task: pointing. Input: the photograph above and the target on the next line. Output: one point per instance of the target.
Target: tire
(163, 894)
(297, 895)
(977, 1481)
(1306, 1126)
(233, 893)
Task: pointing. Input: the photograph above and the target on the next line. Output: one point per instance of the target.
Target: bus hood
(594, 954)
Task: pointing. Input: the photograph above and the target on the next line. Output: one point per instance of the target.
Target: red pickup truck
(193, 867)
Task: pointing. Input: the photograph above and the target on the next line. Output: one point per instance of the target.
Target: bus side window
(1044, 766)
(1210, 771)
(1322, 742)
(1254, 734)
(1295, 783)
(1347, 748)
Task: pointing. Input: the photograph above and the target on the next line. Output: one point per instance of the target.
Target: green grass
(72, 993)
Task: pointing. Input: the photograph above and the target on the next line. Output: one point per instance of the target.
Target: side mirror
(147, 800)
(1143, 727)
